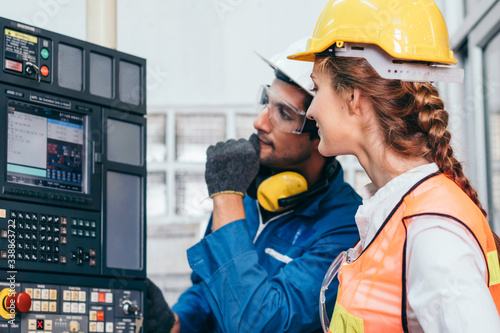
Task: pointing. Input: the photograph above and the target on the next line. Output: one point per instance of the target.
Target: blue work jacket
(255, 277)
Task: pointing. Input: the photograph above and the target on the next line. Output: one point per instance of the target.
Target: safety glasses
(282, 115)
(330, 275)
(349, 256)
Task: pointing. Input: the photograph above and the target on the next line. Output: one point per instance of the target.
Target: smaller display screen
(46, 147)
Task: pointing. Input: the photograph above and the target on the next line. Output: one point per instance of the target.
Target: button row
(49, 248)
(99, 326)
(26, 193)
(27, 236)
(69, 307)
(27, 246)
(83, 233)
(24, 216)
(68, 198)
(37, 293)
(41, 195)
(96, 315)
(43, 306)
(101, 297)
(44, 229)
(83, 223)
(27, 226)
(44, 218)
(40, 324)
(75, 295)
(47, 228)
(33, 256)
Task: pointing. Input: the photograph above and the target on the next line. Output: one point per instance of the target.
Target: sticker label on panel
(21, 46)
(14, 65)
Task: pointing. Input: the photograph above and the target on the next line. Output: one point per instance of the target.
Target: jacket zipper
(263, 225)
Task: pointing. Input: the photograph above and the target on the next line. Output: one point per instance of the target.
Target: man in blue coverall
(257, 270)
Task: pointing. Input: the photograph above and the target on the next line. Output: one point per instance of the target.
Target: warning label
(20, 46)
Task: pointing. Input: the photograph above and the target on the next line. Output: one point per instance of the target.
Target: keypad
(39, 236)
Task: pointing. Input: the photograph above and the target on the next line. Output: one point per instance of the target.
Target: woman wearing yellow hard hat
(427, 259)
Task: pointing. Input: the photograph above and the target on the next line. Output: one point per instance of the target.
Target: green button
(44, 53)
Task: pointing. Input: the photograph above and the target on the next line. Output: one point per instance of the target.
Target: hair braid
(433, 120)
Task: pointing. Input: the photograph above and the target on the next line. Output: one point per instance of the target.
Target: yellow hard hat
(412, 30)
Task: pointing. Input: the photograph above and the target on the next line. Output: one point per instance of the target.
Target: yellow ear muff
(281, 185)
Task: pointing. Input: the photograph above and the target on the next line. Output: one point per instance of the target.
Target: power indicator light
(45, 53)
(44, 70)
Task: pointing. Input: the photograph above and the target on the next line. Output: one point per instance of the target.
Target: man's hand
(231, 166)
(160, 317)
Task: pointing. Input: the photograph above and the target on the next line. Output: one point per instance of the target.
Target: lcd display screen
(46, 147)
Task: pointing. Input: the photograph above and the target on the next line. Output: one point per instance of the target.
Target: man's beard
(273, 161)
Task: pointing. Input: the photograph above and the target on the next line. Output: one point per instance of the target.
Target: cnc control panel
(72, 184)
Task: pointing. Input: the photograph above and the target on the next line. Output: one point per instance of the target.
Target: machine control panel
(72, 156)
(74, 309)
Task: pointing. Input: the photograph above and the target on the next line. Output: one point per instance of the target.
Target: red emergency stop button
(21, 301)
(44, 70)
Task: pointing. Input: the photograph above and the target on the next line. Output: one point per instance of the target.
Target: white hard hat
(298, 72)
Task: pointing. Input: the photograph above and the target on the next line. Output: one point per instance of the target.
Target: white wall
(201, 52)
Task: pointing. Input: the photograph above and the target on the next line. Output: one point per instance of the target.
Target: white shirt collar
(378, 204)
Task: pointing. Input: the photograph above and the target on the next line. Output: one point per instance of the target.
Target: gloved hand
(160, 317)
(232, 165)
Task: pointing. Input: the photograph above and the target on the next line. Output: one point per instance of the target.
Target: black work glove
(160, 317)
(232, 165)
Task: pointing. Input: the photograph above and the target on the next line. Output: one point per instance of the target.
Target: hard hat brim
(303, 56)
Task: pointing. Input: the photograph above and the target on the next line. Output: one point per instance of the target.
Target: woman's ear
(355, 101)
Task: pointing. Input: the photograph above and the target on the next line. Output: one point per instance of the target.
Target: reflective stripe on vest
(372, 289)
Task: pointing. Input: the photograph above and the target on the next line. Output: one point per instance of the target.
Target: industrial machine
(72, 184)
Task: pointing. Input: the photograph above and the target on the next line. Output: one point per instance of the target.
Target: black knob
(129, 308)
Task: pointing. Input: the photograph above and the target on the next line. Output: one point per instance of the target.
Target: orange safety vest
(372, 289)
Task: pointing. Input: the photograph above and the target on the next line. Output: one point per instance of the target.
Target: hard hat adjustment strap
(397, 69)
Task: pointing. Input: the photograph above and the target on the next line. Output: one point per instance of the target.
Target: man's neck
(312, 169)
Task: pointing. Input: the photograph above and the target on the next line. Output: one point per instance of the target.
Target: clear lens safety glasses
(282, 115)
(349, 255)
(330, 275)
